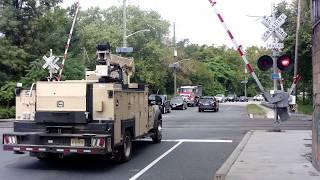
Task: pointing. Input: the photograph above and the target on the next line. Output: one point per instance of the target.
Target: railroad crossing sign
(51, 64)
(274, 27)
(275, 46)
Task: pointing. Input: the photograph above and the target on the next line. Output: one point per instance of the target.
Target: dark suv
(208, 103)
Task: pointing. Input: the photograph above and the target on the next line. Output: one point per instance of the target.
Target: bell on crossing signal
(284, 63)
(265, 63)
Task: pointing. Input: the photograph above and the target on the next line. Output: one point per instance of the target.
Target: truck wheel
(156, 138)
(125, 151)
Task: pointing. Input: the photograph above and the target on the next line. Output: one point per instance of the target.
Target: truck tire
(125, 150)
(157, 135)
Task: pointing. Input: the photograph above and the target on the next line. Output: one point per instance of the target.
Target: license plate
(174, 106)
(77, 142)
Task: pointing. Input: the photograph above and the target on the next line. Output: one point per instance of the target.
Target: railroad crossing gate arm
(237, 46)
(279, 98)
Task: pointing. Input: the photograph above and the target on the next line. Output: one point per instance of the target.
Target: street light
(125, 43)
(143, 30)
(126, 49)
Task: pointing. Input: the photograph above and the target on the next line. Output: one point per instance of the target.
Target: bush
(6, 113)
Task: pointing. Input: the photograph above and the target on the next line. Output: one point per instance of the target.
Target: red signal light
(265, 63)
(284, 63)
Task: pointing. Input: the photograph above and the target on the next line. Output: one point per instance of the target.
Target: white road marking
(180, 141)
(140, 173)
(202, 140)
(192, 140)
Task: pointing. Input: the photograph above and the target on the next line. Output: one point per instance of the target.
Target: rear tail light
(98, 142)
(10, 140)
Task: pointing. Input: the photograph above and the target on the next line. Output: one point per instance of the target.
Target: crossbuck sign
(275, 27)
(51, 64)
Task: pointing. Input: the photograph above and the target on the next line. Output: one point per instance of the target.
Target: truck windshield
(186, 90)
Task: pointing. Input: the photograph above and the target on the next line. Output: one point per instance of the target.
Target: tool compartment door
(61, 96)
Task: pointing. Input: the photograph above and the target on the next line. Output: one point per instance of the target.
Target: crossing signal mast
(280, 99)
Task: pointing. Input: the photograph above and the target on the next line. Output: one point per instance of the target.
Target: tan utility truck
(101, 115)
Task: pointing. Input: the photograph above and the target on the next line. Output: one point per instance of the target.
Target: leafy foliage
(33, 27)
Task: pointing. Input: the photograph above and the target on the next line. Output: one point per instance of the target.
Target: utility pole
(124, 23)
(275, 53)
(276, 123)
(296, 50)
(174, 58)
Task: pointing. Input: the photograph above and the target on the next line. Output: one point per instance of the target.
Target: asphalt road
(195, 145)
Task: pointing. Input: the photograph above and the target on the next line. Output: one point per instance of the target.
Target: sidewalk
(275, 156)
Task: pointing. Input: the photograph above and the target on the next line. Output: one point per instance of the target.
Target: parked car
(178, 103)
(258, 97)
(208, 103)
(165, 103)
(243, 99)
(220, 98)
(236, 99)
(231, 97)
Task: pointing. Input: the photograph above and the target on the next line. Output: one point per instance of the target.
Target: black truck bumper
(94, 138)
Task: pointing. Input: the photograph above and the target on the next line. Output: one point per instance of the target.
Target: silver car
(220, 98)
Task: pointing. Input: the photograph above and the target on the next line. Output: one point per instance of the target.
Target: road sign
(124, 49)
(275, 46)
(51, 63)
(244, 82)
(280, 33)
(276, 76)
(274, 27)
(174, 65)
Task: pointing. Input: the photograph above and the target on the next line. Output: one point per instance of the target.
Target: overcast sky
(195, 19)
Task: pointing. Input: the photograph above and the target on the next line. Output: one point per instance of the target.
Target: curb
(6, 120)
(226, 166)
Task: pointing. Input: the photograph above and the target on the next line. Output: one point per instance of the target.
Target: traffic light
(284, 63)
(265, 63)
